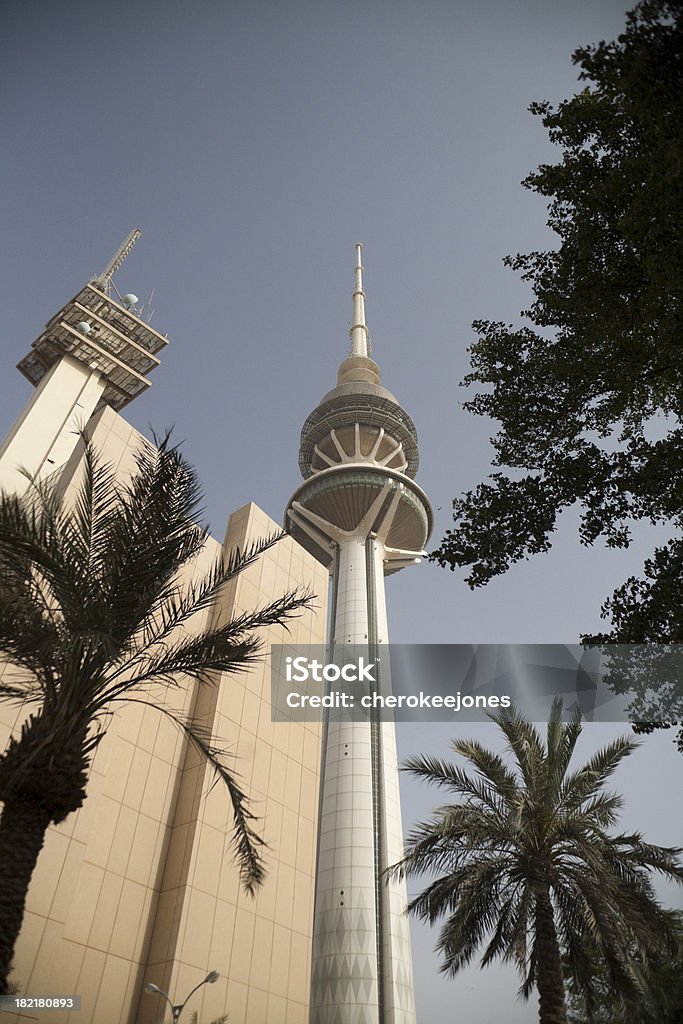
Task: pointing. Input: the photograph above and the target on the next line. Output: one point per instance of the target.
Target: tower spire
(359, 332)
(358, 367)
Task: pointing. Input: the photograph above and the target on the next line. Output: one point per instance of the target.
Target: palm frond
(177, 602)
(491, 767)
(511, 920)
(476, 915)
(523, 740)
(232, 647)
(245, 842)
(438, 772)
(33, 568)
(561, 739)
(587, 780)
(21, 694)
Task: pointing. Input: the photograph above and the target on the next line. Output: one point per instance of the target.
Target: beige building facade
(140, 885)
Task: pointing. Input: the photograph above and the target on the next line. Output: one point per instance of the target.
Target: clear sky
(254, 144)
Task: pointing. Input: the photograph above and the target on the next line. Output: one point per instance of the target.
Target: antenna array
(103, 282)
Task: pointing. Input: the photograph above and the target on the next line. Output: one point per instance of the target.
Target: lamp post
(178, 1009)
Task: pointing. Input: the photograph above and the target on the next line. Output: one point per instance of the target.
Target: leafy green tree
(647, 613)
(93, 614)
(576, 388)
(526, 865)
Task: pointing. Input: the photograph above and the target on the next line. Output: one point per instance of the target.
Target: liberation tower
(362, 515)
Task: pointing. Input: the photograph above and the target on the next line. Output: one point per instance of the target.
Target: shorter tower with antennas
(99, 348)
(103, 331)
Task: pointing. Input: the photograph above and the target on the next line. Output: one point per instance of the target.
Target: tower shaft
(361, 964)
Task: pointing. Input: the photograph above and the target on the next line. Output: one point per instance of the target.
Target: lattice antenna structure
(105, 331)
(103, 282)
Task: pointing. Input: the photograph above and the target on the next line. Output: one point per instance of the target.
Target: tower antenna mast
(103, 282)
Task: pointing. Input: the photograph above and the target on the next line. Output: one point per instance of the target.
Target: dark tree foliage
(660, 988)
(576, 388)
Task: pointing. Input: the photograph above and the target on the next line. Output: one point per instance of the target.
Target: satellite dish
(83, 327)
(130, 299)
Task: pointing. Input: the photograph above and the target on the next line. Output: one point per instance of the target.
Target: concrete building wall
(140, 884)
(261, 945)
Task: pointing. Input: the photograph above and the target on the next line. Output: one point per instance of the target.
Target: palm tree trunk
(549, 977)
(22, 834)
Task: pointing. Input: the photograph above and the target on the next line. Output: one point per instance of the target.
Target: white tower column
(344, 964)
(361, 968)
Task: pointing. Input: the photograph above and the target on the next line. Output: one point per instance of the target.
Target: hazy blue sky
(254, 144)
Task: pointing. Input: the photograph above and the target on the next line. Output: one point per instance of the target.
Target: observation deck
(358, 456)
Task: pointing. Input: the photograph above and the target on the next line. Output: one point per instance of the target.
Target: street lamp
(177, 1010)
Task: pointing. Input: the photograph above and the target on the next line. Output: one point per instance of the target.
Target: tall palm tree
(526, 865)
(93, 613)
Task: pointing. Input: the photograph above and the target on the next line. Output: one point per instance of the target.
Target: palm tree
(526, 865)
(95, 612)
